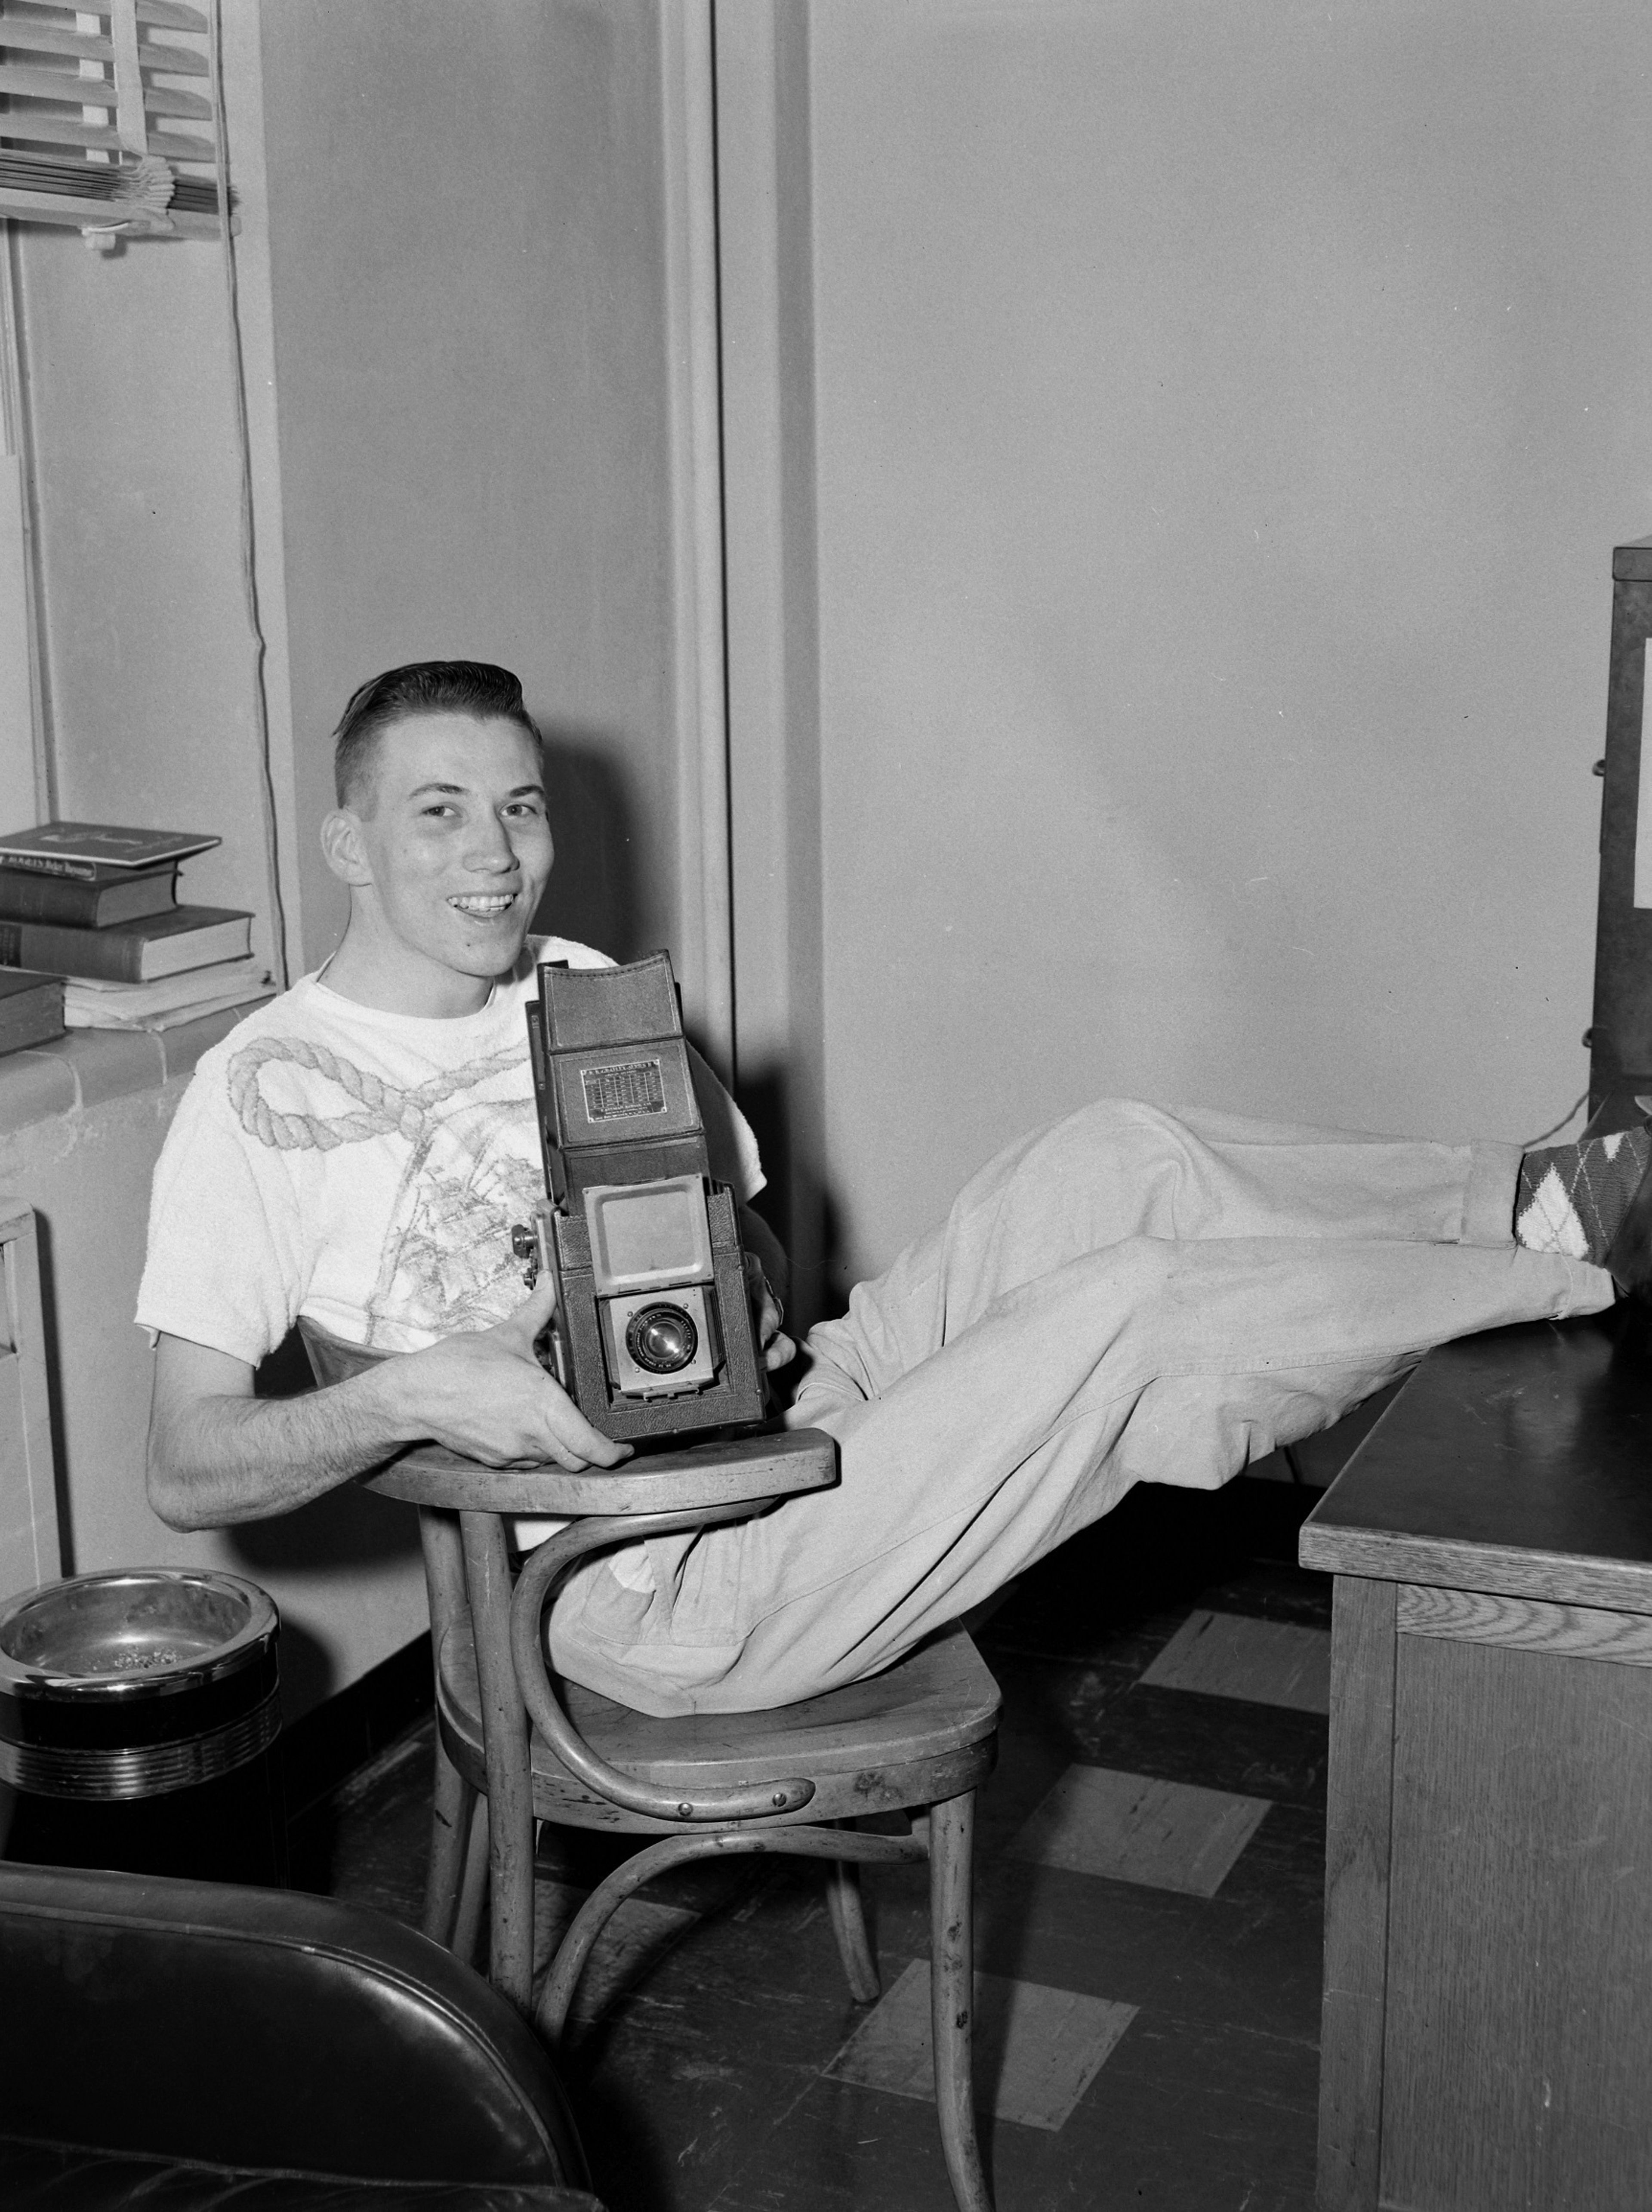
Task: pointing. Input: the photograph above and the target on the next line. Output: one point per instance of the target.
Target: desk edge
(1563, 1578)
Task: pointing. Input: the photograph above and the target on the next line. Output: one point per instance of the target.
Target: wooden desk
(1487, 2026)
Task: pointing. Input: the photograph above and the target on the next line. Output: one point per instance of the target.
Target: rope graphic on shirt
(444, 1258)
(383, 1109)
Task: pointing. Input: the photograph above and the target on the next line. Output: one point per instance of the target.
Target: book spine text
(53, 864)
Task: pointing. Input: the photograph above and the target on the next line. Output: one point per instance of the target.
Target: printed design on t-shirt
(470, 1172)
(381, 1107)
(448, 1262)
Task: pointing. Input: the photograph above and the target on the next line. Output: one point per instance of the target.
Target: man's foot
(1591, 1200)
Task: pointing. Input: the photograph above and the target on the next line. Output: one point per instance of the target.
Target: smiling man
(358, 1150)
(1128, 1296)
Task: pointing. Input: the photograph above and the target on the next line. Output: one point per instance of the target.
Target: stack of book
(95, 907)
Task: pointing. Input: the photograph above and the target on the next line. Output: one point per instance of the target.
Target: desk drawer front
(1578, 1631)
(1519, 1996)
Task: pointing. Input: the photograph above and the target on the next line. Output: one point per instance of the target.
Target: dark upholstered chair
(514, 1747)
(191, 2044)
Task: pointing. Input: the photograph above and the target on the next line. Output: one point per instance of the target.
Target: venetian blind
(106, 115)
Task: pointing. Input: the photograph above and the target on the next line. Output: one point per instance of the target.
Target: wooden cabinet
(1487, 2022)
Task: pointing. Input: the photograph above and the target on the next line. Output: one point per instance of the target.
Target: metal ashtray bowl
(137, 1680)
(135, 1627)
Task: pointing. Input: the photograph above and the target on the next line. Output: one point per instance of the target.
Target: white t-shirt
(364, 1168)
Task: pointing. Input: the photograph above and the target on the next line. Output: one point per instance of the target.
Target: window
(108, 117)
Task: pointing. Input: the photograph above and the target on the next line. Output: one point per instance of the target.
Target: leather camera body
(652, 1336)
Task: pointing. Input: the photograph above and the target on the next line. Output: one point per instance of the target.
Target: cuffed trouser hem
(1488, 1194)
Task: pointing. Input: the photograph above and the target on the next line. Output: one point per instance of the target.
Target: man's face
(454, 832)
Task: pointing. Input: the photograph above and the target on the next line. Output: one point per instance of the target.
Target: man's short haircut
(423, 687)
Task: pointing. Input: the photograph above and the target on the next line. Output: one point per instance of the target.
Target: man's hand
(485, 1394)
(218, 1455)
(778, 1350)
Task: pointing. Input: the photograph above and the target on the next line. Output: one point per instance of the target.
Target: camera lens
(661, 1339)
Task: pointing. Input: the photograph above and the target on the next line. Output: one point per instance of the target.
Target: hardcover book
(128, 951)
(130, 893)
(30, 1010)
(182, 998)
(87, 849)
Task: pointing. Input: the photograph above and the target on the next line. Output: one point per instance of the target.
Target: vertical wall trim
(705, 948)
(243, 67)
(766, 270)
(801, 735)
(27, 792)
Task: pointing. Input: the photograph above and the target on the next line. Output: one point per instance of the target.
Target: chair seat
(922, 1731)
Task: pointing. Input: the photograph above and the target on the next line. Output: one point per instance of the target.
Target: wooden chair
(515, 1745)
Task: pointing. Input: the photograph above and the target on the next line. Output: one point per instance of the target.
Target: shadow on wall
(796, 1203)
(596, 896)
(335, 1538)
(593, 895)
(338, 1538)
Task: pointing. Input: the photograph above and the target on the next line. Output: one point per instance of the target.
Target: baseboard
(326, 1746)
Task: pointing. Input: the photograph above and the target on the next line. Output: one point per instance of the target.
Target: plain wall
(467, 282)
(1224, 415)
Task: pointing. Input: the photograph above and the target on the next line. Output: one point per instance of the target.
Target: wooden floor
(1149, 1913)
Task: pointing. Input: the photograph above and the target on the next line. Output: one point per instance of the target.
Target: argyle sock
(1572, 1198)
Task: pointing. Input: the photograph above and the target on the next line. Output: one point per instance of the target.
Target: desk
(1487, 2025)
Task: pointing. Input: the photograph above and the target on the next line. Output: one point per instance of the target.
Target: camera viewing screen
(616, 1092)
(649, 1232)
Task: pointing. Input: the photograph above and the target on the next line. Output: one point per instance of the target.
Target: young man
(1126, 1296)
(360, 1147)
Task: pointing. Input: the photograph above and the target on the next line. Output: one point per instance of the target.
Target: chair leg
(473, 1889)
(848, 1912)
(579, 1937)
(952, 1994)
(451, 1804)
(505, 1737)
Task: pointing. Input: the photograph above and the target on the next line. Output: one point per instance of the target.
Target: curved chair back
(250, 2028)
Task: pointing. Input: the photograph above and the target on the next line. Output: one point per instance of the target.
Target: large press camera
(652, 1335)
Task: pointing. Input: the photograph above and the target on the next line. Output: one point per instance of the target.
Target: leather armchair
(191, 2044)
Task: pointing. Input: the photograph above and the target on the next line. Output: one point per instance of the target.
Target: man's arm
(218, 1455)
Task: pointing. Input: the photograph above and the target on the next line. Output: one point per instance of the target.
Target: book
(170, 999)
(128, 951)
(130, 895)
(87, 849)
(160, 996)
(30, 1010)
(78, 872)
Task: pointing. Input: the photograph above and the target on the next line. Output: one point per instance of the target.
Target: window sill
(88, 1066)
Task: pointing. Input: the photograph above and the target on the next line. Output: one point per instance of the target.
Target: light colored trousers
(1127, 1296)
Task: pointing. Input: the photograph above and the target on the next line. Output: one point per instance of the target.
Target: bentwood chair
(515, 1745)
